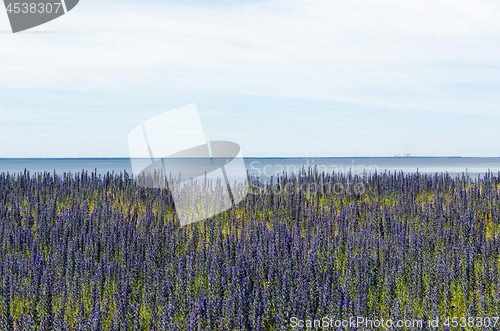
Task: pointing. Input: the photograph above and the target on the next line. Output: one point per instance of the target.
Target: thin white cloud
(390, 53)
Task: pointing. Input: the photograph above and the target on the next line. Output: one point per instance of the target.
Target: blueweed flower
(100, 252)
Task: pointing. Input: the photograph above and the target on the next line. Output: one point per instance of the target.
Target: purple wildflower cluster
(89, 252)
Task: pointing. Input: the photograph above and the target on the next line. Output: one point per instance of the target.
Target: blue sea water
(267, 167)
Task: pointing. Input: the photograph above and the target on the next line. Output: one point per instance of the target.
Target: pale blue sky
(281, 78)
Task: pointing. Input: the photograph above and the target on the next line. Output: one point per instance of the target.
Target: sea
(268, 167)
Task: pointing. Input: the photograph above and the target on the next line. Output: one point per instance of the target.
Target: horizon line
(245, 157)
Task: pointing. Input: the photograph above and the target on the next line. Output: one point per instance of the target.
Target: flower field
(88, 252)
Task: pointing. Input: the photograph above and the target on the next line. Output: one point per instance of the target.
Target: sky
(280, 78)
